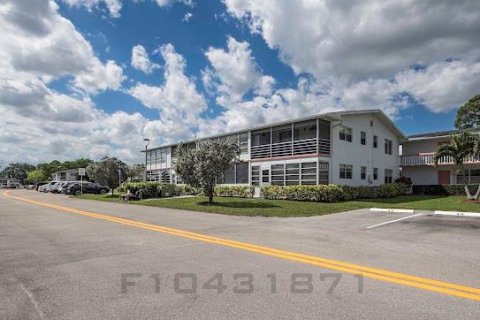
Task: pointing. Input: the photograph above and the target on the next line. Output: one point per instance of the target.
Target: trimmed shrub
(185, 189)
(333, 193)
(148, 190)
(443, 190)
(234, 191)
(404, 180)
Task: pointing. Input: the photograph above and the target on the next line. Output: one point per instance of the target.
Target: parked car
(38, 185)
(49, 186)
(95, 188)
(64, 187)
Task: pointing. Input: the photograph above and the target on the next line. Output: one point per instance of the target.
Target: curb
(457, 214)
(392, 210)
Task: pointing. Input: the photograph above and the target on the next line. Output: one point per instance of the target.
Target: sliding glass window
(282, 134)
(305, 130)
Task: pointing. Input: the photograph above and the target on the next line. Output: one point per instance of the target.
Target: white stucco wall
(421, 146)
(421, 175)
(358, 155)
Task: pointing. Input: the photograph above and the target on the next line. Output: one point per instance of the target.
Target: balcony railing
(290, 148)
(426, 159)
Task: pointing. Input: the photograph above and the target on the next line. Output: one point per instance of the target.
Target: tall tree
(203, 166)
(106, 172)
(17, 171)
(36, 176)
(468, 116)
(460, 147)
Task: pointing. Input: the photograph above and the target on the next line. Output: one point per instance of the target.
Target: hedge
(447, 189)
(234, 191)
(148, 190)
(333, 193)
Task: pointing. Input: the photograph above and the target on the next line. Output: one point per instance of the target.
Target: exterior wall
(66, 175)
(422, 175)
(421, 146)
(341, 152)
(358, 155)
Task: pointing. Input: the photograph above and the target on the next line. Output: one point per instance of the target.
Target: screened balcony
(301, 138)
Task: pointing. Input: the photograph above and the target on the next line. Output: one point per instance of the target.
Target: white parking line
(392, 221)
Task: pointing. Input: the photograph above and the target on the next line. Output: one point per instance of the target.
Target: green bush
(185, 189)
(447, 189)
(234, 191)
(333, 193)
(150, 189)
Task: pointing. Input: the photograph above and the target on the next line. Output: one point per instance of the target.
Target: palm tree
(458, 149)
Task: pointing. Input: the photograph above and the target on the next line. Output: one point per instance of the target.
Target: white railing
(290, 148)
(426, 159)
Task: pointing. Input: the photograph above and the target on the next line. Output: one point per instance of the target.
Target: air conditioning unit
(370, 179)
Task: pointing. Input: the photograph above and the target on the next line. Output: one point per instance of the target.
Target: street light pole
(147, 142)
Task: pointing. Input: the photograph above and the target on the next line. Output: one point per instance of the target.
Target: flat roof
(439, 134)
(331, 116)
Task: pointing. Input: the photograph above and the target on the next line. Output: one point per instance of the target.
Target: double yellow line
(373, 273)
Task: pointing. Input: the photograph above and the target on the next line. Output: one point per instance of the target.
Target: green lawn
(284, 208)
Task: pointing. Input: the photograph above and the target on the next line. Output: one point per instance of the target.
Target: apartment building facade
(417, 161)
(346, 148)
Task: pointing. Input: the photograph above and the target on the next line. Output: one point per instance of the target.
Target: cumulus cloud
(373, 54)
(362, 39)
(235, 71)
(141, 61)
(49, 47)
(177, 100)
(113, 6)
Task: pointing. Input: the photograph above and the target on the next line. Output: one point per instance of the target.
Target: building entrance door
(443, 177)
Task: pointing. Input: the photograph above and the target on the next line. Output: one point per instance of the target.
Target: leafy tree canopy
(106, 172)
(468, 116)
(201, 167)
(17, 171)
(36, 176)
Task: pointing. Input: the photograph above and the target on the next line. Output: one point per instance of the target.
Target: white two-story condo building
(417, 161)
(346, 148)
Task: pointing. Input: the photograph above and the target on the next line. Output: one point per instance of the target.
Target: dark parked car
(95, 188)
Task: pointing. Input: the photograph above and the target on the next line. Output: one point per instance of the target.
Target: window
(346, 171)
(305, 130)
(308, 173)
(278, 174)
(282, 134)
(363, 173)
(471, 176)
(323, 173)
(255, 175)
(229, 175)
(375, 141)
(292, 174)
(388, 176)
(241, 172)
(363, 138)
(388, 146)
(260, 138)
(266, 175)
(375, 173)
(346, 134)
(243, 142)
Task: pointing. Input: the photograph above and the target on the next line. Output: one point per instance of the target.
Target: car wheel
(103, 191)
(78, 192)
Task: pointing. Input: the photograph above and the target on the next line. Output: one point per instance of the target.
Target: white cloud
(236, 71)
(141, 61)
(113, 6)
(187, 17)
(49, 47)
(362, 39)
(177, 100)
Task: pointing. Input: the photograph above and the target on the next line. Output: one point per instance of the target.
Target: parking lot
(59, 260)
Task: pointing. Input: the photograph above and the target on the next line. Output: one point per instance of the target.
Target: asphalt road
(63, 263)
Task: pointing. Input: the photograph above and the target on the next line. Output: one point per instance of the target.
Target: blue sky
(93, 77)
